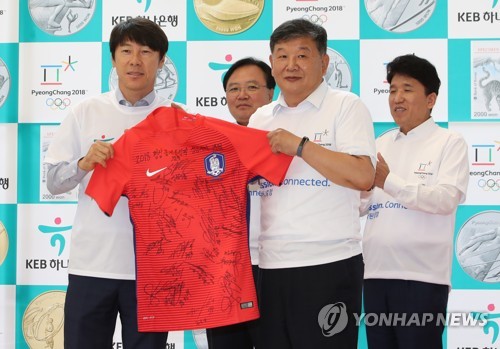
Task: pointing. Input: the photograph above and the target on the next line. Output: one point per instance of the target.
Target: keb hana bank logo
(57, 233)
(491, 326)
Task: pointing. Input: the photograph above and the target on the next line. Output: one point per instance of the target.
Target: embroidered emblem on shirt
(319, 138)
(423, 170)
(215, 164)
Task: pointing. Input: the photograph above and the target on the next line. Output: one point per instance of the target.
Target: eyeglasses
(250, 89)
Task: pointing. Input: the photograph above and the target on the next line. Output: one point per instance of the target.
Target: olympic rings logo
(489, 184)
(316, 19)
(58, 103)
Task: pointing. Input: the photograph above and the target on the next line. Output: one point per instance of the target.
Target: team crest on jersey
(215, 164)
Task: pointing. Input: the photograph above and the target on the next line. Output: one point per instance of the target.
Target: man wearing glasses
(248, 85)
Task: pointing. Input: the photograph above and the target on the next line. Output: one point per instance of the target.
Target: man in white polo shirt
(309, 247)
(421, 177)
(102, 280)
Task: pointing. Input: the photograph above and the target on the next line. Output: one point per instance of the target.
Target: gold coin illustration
(4, 243)
(228, 17)
(43, 321)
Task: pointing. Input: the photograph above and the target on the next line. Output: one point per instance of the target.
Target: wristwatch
(301, 146)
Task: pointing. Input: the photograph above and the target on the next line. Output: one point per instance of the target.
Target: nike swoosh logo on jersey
(151, 174)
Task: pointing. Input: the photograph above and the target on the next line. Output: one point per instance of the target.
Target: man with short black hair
(101, 267)
(421, 176)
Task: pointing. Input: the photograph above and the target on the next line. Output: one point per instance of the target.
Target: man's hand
(98, 153)
(381, 172)
(282, 141)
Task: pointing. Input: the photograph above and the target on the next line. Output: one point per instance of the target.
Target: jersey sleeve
(108, 183)
(255, 152)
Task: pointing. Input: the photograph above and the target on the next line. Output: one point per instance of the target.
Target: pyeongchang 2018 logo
(484, 165)
(423, 170)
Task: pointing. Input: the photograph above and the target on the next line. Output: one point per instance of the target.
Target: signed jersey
(186, 180)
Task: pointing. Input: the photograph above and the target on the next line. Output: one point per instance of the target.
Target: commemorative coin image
(478, 247)
(400, 16)
(61, 17)
(166, 83)
(43, 321)
(4, 82)
(228, 17)
(4, 243)
(338, 74)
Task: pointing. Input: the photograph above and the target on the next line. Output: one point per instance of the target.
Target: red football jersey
(186, 180)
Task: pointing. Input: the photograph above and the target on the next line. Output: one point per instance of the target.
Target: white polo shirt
(101, 246)
(410, 224)
(309, 220)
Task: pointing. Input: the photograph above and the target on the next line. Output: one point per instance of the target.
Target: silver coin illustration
(338, 74)
(61, 17)
(478, 246)
(4, 82)
(400, 16)
(166, 83)
(43, 321)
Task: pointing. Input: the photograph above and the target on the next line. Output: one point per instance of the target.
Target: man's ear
(271, 94)
(325, 60)
(161, 63)
(431, 100)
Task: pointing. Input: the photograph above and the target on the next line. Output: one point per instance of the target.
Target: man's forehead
(129, 42)
(242, 81)
(300, 43)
